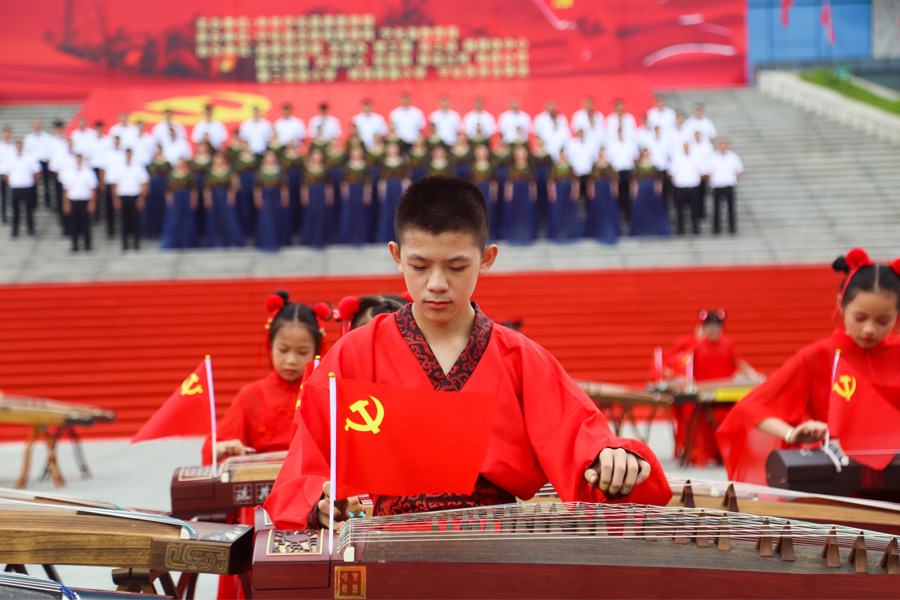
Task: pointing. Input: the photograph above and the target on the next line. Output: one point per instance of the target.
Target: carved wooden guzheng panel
(238, 482)
(544, 550)
(45, 533)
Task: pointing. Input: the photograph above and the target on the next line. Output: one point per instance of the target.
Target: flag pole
(212, 411)
(332, 406)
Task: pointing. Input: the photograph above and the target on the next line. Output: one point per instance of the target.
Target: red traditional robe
(712, 360)
(544, 427)
(800, 390)
(259, 416)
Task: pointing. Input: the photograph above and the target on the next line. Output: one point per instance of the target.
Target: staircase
(127, 347)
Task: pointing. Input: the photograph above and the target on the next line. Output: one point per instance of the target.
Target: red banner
(55, 50)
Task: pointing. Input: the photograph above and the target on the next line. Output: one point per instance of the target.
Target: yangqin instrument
(237, 482)
(813, 471)
(551, 549)
(42, 414)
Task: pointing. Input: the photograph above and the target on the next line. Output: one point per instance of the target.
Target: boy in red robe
(544, 427)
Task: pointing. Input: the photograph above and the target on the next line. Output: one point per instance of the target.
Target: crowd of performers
(293, 182)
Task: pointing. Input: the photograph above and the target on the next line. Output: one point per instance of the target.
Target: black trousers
(109, 211)
(724, 194)
(701, 197)
(625, 194)
(45, 177)
(4, 195)
(666, 191)
(131, 219)
(23, 197)
(80, 223)
(98, 195)
(687, 198)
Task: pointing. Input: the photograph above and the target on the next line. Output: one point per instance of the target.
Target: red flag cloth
(862, 419)
(827, 21)
(786, 6)
(186, 412)
(378, 424)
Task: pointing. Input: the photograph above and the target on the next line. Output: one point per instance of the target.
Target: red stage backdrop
(55, 50)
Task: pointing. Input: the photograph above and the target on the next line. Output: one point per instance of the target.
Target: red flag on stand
(786, 6)
(398, 441)
(186, 412)
(827, 21)
(862, 419)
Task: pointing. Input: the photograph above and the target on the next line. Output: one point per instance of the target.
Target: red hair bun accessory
(348, 307)
(895, 265)
(857, 258)
(323, 311)
(406, 296)
(274, 302)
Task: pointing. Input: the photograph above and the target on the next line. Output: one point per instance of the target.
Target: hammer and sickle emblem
(191, 385)
(370, 423)
(847, 387)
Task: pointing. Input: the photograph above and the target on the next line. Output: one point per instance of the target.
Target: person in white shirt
(553, 129)
(700, 122)
(591, 121)
(208, 130)
(39, 144)
(7, 151)
(619, 119)
(685, 174)
(20, 172)
(446, 122)
(479, 117)
(63, 158)
(176, 147)
(369, 124)
(101, 147)
(661, 115)
(110, 164)
(324, 126)
(679, 134)
(125, 131)
(581, 153)
(257, 132)
(129, 191)
(621, 152)
(84, 138)
(290, 130)
(644, 134)
(79, 186)
(59, 143)
(162, 129)
(146, 146)
(408, 121)
(703, 150)
(725, 169)
(513, 123)
(660, 146)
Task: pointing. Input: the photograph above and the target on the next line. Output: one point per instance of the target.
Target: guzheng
(237, 482)
(716, 391)
(542, 550)
(617, 403)
(57, 534)
(812, 471)
(23, 587)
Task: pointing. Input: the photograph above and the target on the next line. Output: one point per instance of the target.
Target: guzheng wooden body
(238, 482)
(35, 532)
(543, 550)
(617, 403)
(813, 471)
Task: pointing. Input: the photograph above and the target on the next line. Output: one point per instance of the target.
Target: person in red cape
(791, 407)
(259, 418)
(544, 427)
(712, 356)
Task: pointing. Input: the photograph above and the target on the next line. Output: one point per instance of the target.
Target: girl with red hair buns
(792, 406)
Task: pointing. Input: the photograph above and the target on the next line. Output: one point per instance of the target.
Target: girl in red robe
(713, 357)
(791, 407)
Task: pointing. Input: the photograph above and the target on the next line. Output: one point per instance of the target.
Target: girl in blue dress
(519, 209)
(394, 179)
(155, 206)
(223, 230)
(564, 225)
(200, 165)
(318, 200)
(356, 197)
(543, 164)
(602, 221)
(245, 165)
(439, 164)
(179, 226)
(292, 163)
(648, 217)
(272, 228)
(482, 175)
(418, 159)
(460, 156)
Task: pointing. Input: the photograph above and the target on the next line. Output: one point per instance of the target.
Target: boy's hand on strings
(616, 471)
(232, 448)
(809, 432)
(343, 509)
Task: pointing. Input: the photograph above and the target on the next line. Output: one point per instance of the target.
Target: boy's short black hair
(441, 204)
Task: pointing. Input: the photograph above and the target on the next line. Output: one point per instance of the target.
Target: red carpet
(127, 346)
